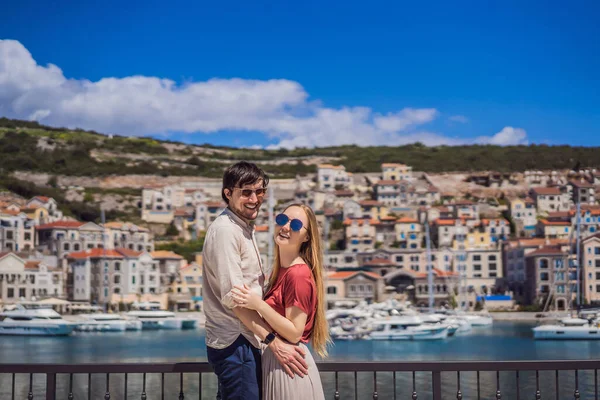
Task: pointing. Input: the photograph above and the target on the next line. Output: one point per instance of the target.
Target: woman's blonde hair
(311, 252)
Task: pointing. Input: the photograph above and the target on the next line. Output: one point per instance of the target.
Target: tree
(53, 181)
(172, 230)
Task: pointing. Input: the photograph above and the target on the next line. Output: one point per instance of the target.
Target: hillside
(29, 146)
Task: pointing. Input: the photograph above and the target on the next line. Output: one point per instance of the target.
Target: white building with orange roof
(332, 177)
(396, 172)
(160, 202)
(387, 191)
(129, 236)
(17, 232)
(105, 275)
(498, 229)
(24, 279)
(373, 209)
(409, 233)
(187, 290)
(207, 212)
(49, 204)
(589, 220)
(590, 262)
(169, 264)
(582, 191)
(554, 228)
(549, 199)
(353, 285)
(62, 237)
(524, 215)
(360, 234)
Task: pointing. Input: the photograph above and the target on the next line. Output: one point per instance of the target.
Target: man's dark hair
(240, 174)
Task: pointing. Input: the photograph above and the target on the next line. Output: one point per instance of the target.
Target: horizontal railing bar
(328, 366)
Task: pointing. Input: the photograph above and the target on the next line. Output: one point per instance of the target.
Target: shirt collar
(235, 218)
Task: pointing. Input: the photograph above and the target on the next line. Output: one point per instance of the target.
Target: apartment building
(409, 233)
(25, 279)
(106, 275)
(353, 285)
(550, 199)
(548, 278)
(360, 234)
(333, 177)
(17, 231)
(582, 191)
(590, 262)
(169, 264)
(524, 215)
(128, 236)
(554, 227)
(63, 237)
(396, 172)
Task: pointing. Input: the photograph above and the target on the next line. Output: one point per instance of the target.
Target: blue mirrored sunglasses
(295, 224)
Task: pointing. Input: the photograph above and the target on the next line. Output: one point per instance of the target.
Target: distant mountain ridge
(30, 146)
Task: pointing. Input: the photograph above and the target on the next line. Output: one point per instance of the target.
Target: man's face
(246, 201)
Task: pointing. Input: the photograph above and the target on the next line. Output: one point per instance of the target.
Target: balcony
(341, 380)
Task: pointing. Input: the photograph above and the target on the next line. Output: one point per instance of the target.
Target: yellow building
(396, 172)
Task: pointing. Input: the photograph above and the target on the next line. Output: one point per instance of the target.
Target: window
(493, 267)
(331, 290)
(9, 235)
(10, 293)
(66, 246)
(352, 288)
(597, 263)
(399, 258)
(117, 266)
(543, 263)
(22, 292)
(492, 257)
(476, 258)
(477, 267)
(27, 236)
(117, 279)
(597, 250)
(133, 280)
(76, 247)
(116, 290)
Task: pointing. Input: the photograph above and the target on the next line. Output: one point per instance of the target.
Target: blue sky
(315, 73)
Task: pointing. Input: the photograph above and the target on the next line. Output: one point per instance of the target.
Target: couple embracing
(257, 330)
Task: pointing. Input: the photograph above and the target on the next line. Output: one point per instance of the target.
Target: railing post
(51, 386)
(436, 385)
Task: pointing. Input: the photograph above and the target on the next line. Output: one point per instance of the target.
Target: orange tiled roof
(555, 223)
(128, 252)
(95, 253)
(360, 221)
(379, 261)
(61, 225)
(445, 222)
(32, 264)
(546, 250)
(406, 220)
(165, 254)
(387, 182)
(43, 199)
(343, 275)
(9, 212)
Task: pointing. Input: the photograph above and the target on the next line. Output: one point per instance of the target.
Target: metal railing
(353, 380)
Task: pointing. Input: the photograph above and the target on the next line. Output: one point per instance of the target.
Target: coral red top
(295, 286)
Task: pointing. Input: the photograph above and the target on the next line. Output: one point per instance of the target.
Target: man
(230, 258)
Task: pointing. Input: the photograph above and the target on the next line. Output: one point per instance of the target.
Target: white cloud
(140, 105)
(459, 118)
(506, 137)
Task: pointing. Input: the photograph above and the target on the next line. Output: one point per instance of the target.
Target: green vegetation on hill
(68, 152)
(185, 249)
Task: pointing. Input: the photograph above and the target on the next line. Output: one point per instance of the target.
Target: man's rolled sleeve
(226, 255)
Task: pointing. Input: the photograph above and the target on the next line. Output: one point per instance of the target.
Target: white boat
(478, 320)
(406, 328)
(152, 317)
(568, 328)
(34, 320)
(92, 319)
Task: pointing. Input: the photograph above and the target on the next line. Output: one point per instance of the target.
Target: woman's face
(285, 236)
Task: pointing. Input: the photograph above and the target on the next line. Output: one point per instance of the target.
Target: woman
(294, 304)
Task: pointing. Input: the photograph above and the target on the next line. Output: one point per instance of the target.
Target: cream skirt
(277, 385)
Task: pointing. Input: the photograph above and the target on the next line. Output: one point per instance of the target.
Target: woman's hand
(243, 297)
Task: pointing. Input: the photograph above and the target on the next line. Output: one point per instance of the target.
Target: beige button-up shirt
(230, 257)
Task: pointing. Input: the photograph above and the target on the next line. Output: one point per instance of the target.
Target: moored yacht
(407, 328)
(152, 317)
(568, 328)
(92, 319)
(34, 320)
